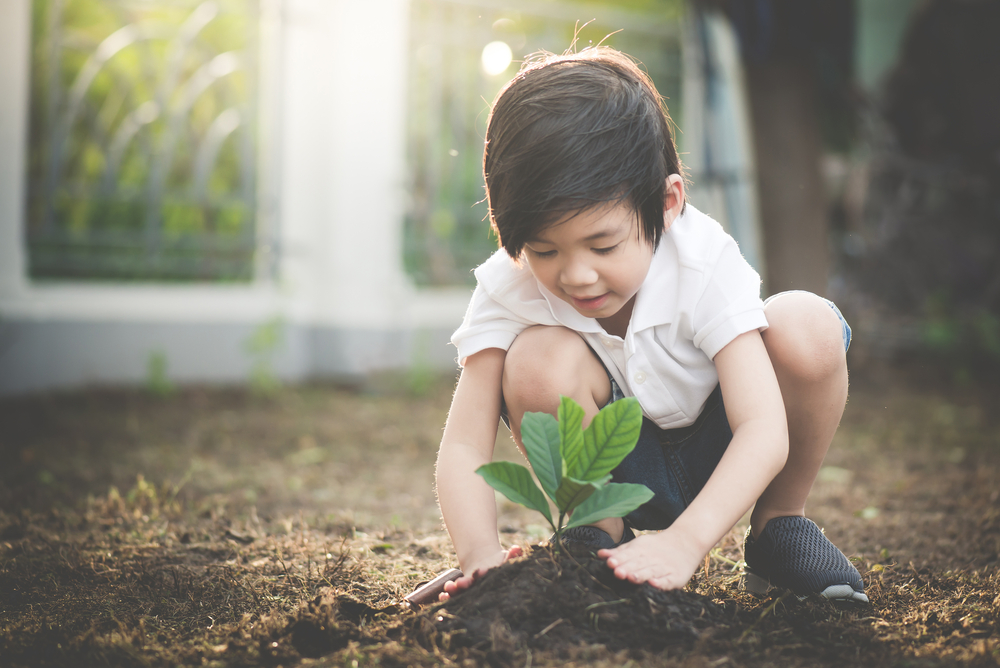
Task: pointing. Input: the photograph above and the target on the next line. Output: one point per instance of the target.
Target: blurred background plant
(261, 347)
(142, 153)
(927, 245)
(157, 381)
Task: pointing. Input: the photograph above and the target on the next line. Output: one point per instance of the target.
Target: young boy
(609, 285)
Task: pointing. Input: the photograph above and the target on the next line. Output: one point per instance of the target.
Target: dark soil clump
(548, 601)
(323, 626)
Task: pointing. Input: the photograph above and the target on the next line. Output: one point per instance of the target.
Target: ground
(227, 528)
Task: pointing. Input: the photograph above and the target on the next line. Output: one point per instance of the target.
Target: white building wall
(15, 42)
(334, 181)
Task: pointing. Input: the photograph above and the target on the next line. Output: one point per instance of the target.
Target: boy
(608, 285)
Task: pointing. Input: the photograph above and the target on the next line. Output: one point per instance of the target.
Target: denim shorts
(676, 463)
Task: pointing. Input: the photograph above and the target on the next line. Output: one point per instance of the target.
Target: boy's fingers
(454, 587)
(464, 582)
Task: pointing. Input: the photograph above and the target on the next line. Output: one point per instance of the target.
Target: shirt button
(607, 341)
(639, 377)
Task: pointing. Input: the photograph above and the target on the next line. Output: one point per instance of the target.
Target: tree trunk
(789, 153)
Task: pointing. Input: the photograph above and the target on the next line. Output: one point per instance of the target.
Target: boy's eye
(605, 251)
(548, 253)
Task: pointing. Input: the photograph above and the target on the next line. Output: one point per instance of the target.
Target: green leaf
(611, 435)
(514, 481)
(570, 431)
(540, 435)
(572, 492)
(616, 499)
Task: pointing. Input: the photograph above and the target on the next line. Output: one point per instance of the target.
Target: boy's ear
(673, 200)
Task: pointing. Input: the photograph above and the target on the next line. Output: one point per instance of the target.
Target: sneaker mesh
(792, 552)
(594, 538)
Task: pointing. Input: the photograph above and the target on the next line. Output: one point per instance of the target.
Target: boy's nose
(578, 274)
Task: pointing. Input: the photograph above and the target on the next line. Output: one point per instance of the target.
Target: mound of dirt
(549, 601)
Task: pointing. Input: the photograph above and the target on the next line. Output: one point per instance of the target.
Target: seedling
(574, 464)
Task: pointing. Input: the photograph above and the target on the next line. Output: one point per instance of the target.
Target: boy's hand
(666, 560)
(477, 571)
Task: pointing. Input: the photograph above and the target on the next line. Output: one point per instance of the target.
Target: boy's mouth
(591, 303)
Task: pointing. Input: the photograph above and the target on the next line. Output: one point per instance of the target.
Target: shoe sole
(758, 586)
(844, 592)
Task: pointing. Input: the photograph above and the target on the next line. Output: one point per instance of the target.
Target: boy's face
(594, 260)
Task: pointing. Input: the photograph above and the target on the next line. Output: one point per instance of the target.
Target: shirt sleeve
(730, 303)
(487, 324)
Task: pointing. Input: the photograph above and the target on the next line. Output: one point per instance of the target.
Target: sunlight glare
(496, 58)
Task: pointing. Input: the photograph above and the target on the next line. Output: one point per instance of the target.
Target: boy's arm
(468, 504)
(754, 457)
(759, 447)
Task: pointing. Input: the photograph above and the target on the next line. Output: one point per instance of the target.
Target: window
(142, 150)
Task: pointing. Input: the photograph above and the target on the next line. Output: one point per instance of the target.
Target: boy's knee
(804, 338)
(545, 362)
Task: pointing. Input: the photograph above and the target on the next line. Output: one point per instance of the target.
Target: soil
(551, 600)
(218, 527)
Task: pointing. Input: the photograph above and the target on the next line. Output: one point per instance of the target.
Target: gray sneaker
(793, 553)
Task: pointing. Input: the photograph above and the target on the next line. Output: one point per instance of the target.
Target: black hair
(575, 131)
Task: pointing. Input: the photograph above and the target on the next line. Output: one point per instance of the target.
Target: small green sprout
(574, 464)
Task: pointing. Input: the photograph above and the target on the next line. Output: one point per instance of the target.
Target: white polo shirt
(699, 295)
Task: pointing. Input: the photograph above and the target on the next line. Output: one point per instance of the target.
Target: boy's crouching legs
(805, 341)
(544, 363)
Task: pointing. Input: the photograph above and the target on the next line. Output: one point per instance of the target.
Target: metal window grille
(446, 233)
(142, 146)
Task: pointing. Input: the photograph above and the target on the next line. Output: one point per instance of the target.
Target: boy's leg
(544, 363)
(804, 340)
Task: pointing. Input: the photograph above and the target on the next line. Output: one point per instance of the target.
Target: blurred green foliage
(157, 381)
(261, 346)
(968, 338)
(131, 174)
(931, 224)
